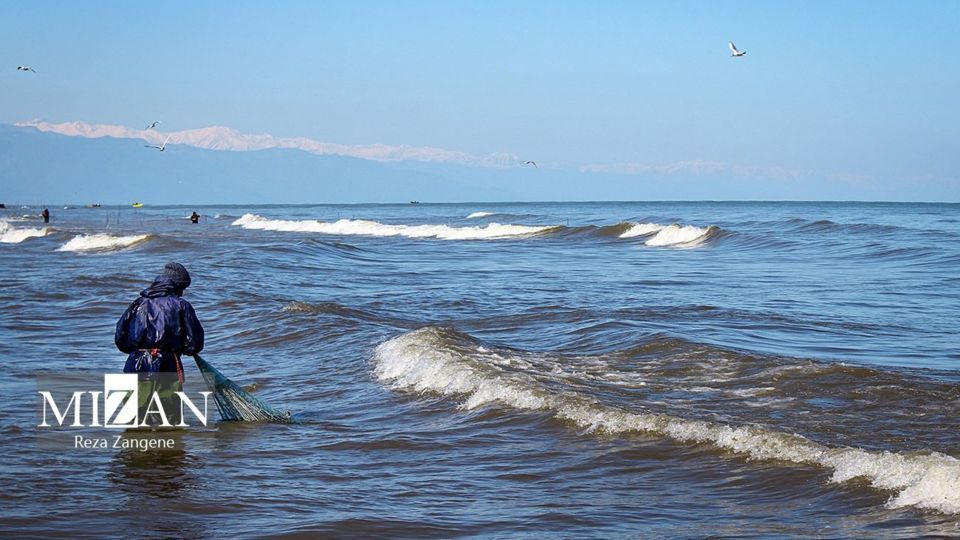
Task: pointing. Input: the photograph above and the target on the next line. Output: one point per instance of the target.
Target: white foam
(24, 217)
(479, 215)
(102, 242)
(374, 228)
(426, 361)
(675, 235)
(12, 235)
(641, 229)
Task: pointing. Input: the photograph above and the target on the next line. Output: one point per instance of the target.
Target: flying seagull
(152, 125)
(534, 163)
(734, 51)
(26, 68)
(161, 147)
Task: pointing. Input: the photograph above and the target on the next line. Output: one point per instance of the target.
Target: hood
(162, 286)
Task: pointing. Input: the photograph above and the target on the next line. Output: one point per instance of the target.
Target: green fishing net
(235, 403)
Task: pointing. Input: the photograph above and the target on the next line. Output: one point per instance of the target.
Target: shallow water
(602, 369)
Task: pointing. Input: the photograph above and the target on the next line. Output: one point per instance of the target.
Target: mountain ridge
(224, 138)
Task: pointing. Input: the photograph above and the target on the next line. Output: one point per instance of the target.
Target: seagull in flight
(152, 125)
(161, 147)
(26, 68)
(734, 51)
(534, 163)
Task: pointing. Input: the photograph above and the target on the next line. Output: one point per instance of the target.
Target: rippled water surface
(508, 370)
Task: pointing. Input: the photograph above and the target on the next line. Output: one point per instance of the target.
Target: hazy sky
(848, 90)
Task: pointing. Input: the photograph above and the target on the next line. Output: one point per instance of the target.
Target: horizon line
(77, 206)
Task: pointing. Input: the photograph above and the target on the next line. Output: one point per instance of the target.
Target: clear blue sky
(852, 89)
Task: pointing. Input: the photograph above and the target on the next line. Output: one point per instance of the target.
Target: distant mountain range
(223, 138)
(49, 168)
(78, 163)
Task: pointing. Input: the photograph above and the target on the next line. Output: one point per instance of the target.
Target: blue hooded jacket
(160, 319)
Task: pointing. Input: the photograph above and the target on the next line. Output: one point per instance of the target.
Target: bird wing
(733, 48)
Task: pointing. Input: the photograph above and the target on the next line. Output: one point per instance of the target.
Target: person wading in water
(155, 331)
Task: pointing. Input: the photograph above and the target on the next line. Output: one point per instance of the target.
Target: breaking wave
(641, 229)
(682, 235)
(480, 215)
(102, 242)
(658, 235)
(670, 235)
(445, 362)
(375, 228)
(12, 235)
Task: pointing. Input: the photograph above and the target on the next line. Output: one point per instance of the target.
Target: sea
(525, 370)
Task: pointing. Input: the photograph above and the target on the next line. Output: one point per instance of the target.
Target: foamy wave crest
(443, 362)
(641, 229)
(12, 235)
(374, 228)
(681, 235)
(479, 215)
(102, 242)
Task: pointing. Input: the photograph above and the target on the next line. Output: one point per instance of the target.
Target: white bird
(161, 147)
(734, 51)
(26, 68)
(534, 163)
(152, 125)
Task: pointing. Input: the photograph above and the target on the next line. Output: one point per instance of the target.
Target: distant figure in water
(195, 218)
(46, 215)
(155, 331)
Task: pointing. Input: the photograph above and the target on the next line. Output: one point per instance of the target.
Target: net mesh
(235, 403)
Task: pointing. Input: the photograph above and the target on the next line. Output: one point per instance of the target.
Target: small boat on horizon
(138, 205)
(95, 205)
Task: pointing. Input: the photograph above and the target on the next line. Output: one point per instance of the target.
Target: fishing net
(235, 403)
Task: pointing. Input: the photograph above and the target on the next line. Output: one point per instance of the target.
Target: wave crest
(374, 228)
(641, 229)
(102, 242)
(12, 235)
(443, 361)
(682, 235)
(670, 235)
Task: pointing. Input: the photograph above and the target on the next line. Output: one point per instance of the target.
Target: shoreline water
(456, 380)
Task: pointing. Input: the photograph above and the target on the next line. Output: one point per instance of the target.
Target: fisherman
(46, 215)
(155, 331)
(195, 217)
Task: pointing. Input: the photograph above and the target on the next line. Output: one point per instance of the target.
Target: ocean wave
(375, 228)
(102, 242)
(445, 362)
(682, 235)
(23, 217)
(481, 214)
(825, 225)
(641, 229)
(13, 235)
(675, 235)
(670, 235)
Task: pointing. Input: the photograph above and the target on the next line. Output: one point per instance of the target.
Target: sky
(858, 93)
